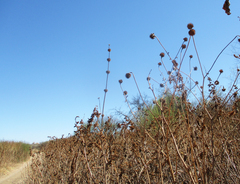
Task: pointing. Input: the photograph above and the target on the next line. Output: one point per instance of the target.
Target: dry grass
(169, 141)
(12, 153)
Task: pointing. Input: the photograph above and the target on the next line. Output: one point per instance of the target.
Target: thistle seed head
(191, 56)
(152, 36)
(192, 32)
(109, 50)
(128, 75)
(185, 39)
(108, 72)
(183, 46)
(120, 81)
(221, 71)
(190, 26)
(162, 54)
(108, 59)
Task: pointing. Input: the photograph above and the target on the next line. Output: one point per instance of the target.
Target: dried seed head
(185, 39)
(221, 71)
(162, 54)
(148, 78)
(216, 82)
(191, 56)
(235, 94)
(120, 81)
(223, 89)
(190, 26)
(159, 64)
(174, 63)
(128, 75)
(192, 32)
(109, 50)
(161, 85)
(195, 68)
(105, 90)
(152, 36)
(108, 72)
(238, 39)
(169, 72)
(238, 69)
(183, 46)
(108, 59)
(196, 82)
(209, 79)
(125, 93)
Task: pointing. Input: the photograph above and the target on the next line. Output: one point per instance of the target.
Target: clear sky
(53, 55)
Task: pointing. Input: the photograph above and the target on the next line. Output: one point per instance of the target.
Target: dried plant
(168, 141)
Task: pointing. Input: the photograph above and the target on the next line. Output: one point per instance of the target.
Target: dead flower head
(190, 26)
(152, 36)
(162, 54)
(192, 32)
(128, 75)
(183, 46)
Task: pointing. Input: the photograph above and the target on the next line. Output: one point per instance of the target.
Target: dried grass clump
(12, 153)
(168, 141)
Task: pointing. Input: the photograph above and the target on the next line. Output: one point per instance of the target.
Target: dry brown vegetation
(11, 153)
(168, 141)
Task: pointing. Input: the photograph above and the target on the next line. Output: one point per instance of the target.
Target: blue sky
(53, 56)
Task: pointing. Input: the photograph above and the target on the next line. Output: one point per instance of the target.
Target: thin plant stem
(220, 54)
(105, 90)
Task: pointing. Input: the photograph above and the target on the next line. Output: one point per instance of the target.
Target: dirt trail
(15, 176)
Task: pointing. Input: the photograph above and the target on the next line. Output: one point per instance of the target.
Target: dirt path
(16, 175)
